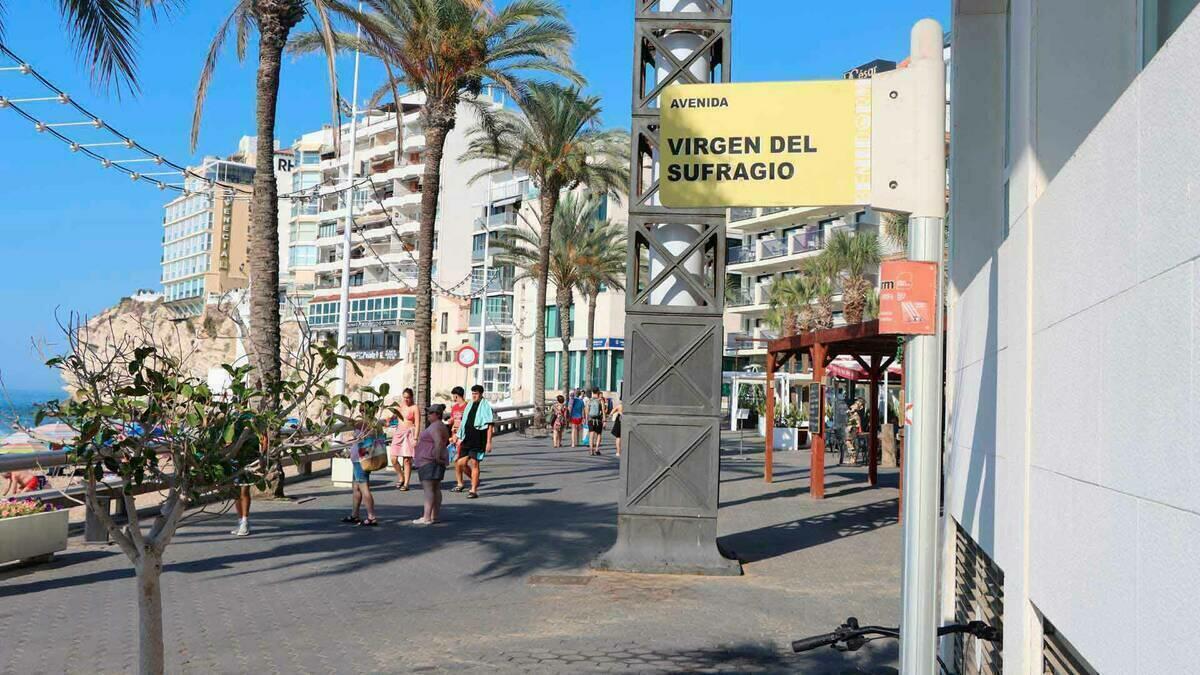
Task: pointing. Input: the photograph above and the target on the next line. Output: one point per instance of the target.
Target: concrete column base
(667, 545)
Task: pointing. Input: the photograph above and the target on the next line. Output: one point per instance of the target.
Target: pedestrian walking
(595, 413)
(558, 418)
(404, 441)
(618, 410)
(576, 410)
(361, 483)
(458, 405)
(474, 441)
(431, 459)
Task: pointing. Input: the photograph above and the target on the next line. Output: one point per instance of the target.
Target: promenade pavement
(502, 586)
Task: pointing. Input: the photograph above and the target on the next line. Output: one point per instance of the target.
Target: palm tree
(851, 255)
(788, 301)
(606, 241)
(822, 276)
(895, 228)
(557, 141)
(571, 254)
(104, 35)
(273, 20)
(450, 50)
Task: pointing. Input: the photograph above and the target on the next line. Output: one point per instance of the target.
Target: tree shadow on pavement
(783, 538)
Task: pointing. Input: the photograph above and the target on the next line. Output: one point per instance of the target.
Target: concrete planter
(786, 438)
(40, 535)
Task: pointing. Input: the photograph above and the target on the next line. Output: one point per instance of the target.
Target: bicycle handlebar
(815, 641)
(851, 637)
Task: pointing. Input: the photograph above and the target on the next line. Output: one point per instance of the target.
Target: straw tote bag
(373, 453)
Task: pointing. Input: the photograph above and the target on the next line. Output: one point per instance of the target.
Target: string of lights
(112, 138)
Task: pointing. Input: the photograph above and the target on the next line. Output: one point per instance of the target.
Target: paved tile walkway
(501, 586)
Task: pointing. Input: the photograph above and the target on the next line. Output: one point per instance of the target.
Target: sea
(20, 406)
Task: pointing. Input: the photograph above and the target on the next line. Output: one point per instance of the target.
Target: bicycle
(850, 637)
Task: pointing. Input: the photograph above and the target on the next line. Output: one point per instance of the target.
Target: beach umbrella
(21, 442)
(56, 433)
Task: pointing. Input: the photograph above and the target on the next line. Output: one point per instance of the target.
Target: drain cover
(559, 580)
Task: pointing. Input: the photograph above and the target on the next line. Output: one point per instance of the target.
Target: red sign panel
(908, 297)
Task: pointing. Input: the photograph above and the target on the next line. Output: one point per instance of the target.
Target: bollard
(94, 531)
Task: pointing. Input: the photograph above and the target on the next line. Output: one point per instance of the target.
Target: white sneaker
(420, 521)
(243, 529)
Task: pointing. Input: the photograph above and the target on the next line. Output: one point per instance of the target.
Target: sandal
(352, 519)
(402, 488)
(369, 522)
(472, 495)
(457, 488)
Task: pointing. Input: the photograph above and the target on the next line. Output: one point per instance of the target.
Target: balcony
(502, 219)
(496, 285)
(495, 318)
(741, 297)
(739, 254)
(742, 213)
(772, 248)
(806, 241)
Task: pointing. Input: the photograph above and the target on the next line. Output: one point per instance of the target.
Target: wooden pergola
(864, 343)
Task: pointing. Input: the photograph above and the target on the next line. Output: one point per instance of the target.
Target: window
(1160, 19)
(310, 157)
(444, 325)
(300, 256)
(553, 325)
(617, 368)
(327, 230)
(552, 370)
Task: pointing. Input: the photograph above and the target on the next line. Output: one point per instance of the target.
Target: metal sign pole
(923, 361)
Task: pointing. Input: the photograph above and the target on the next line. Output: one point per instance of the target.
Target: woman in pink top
(404, 441)
(431, 459)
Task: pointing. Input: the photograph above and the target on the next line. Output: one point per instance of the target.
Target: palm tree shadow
(784, 538)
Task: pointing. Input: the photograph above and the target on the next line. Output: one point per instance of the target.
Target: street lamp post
(347, 241)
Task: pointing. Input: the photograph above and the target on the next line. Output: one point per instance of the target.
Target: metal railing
(739, 254)
(507, 419)
(773, 248)
(808, 240)
(773, 209)
(741, 213)
(741, 297)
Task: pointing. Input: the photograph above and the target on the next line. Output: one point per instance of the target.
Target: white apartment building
(511, 310)
(766, 244)
(383, 259)
(1073, 352)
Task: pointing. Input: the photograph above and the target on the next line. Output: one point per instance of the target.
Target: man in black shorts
(474, 438)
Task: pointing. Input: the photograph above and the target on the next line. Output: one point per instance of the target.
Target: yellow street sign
(766, 144)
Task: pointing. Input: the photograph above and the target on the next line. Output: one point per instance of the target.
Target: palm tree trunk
(438, 124)
(592, 297)
(549, 202)
(564, 321)
(276, 18)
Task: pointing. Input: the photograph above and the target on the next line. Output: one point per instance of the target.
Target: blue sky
(78, 238)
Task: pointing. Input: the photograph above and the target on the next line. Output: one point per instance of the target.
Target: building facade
(512, 307)
(1071, 517)
(766, 244)
(205, 237)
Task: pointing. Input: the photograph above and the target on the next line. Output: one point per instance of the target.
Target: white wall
(1074, 345)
